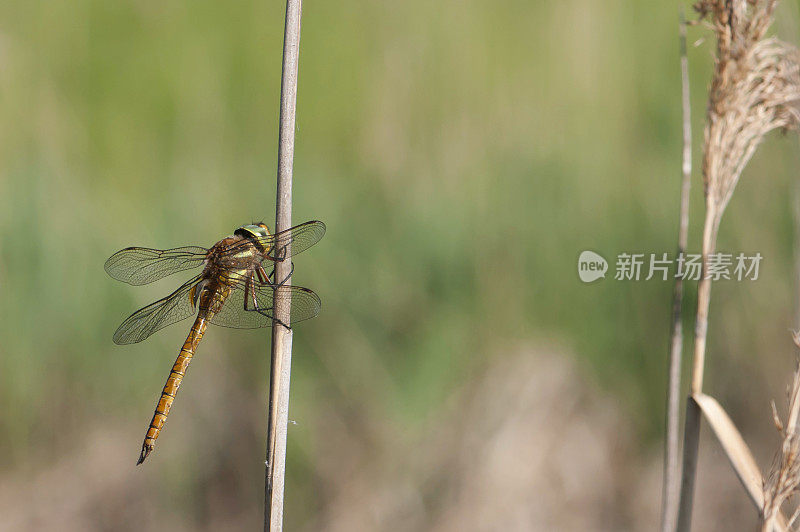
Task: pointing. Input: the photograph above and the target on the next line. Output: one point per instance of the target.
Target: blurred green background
(462, 155)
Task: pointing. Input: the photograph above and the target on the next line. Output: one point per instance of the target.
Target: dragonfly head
(255, 231)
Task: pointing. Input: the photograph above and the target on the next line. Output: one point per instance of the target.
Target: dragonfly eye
(256, 231)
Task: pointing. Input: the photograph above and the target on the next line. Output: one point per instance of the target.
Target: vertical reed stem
(281, 355)
(704, 299)
(669, 491)
(691, 431)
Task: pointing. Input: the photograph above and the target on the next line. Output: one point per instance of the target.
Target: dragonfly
(232, 290)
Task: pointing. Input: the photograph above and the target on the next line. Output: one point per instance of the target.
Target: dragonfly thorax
(233, 256)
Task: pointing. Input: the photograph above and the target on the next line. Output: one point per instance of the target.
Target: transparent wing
(175, 307)
(301, 237)
(138, 266)
(247, 308)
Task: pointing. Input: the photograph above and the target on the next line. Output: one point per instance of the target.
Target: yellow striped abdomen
(210, 297)
(171, 386)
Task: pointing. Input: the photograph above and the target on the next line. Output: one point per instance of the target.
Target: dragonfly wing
(247, 308)
(300, 237)
(138, 266)
(155, 316)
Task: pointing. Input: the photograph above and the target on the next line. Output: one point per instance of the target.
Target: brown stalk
(669, 490)
(754, 89)
(281, 354)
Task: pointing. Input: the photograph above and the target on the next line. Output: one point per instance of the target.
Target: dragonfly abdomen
(170, 389)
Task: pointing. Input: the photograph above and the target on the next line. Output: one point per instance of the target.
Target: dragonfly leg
(263, 278)
(283, 282)
(250, 295)
(287, 277)
(272, 276)
(281, 253)
(279, 322)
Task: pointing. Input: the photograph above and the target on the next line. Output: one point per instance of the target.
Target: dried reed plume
(755, 88)
(784, 477)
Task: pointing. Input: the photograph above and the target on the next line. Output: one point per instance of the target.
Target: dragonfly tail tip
(145, 451)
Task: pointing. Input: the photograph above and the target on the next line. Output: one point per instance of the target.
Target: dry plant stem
(669, 489)
(281, 354)
(691, 440)
(734, 446)
(691, 431)
(703, 299)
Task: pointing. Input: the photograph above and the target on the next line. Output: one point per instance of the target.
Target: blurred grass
(462, 156)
